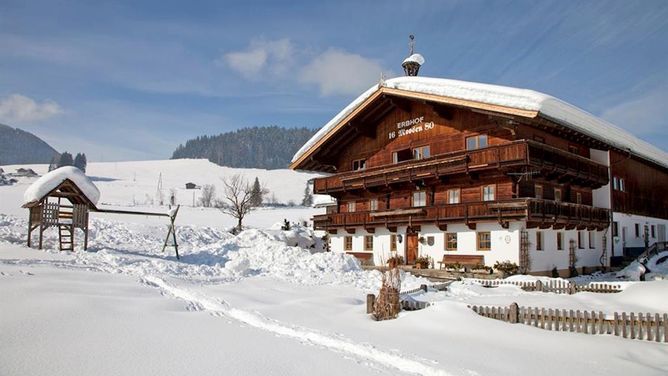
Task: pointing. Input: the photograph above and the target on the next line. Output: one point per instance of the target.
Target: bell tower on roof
(414, 61)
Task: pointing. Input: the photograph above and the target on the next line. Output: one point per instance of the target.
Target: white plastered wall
(628, 222)
(550, 257)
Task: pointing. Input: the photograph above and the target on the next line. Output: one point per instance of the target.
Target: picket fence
(555, 286)
(643, 326)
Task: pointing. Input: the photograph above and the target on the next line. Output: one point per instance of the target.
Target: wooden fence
(555, 286)
(650, 327)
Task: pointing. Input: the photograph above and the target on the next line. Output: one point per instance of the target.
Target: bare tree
(238, 198)
(208, 195)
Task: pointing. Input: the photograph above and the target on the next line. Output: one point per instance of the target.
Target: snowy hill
(135, 184)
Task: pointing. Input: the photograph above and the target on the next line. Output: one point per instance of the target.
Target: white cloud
(18, 108)
(644, 115)
(261, 57)
(340, 72)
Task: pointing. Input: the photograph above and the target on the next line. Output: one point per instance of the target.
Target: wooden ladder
(66, 237)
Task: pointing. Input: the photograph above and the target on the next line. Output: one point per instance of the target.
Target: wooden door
(661, 233)
(411, 247)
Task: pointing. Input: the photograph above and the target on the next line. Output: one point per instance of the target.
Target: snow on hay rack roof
(65, 181)
(521, 102)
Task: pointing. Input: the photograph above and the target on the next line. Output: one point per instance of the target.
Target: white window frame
(352, 206)
(419, 199)
(373, 204)
(489, 192)
(454, 196)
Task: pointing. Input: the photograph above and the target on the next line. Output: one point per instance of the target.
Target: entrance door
(411, 247)
(661, 235)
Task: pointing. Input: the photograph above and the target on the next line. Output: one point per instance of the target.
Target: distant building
(25, 172)
(191, 186)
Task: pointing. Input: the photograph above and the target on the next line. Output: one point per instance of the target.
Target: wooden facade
(514, 159)
(404, 161)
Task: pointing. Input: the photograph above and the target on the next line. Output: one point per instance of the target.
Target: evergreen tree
(308, 197)
(256, 193)
(80, 162)
(65, 160)
(54, 163)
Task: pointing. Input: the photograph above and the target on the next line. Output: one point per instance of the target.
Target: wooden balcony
(545, 160)
(537, 213)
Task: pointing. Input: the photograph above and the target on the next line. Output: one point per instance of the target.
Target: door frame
(411, 233)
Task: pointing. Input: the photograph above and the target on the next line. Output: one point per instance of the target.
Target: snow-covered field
(262, 302)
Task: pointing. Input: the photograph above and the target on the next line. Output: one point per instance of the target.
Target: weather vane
(411, 43)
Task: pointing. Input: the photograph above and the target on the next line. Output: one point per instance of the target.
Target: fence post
(539, 285)
(423, 287)
(572, 289)
(514, 313)
(370, 302)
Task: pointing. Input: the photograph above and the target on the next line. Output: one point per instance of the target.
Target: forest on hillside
(255, 147)
(20, 147)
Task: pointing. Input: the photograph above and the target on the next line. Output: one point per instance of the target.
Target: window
(488, 193)
(573, 149)
(580, 243)
(637, 228)
(539, 139)
(484, 241)
(592, 239)
(393, 243)
(615, 229)
(348, 243)
(476, 142)
(421, 152)
(539, 241)
(560, 241)
(653, 232)
(373, 204)
(618, 184)
(419, 198)
(453, 196)
(351, 206)
(450, 241)
(402, 155)
(578, 198)
(359, 164)
(368, 243)
(538, 191)
(557, 194)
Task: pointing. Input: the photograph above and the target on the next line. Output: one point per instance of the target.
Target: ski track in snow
(305, 335)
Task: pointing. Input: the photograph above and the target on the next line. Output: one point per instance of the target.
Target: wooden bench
(464, 260)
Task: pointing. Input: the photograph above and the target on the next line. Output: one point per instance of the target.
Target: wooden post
(624, 331)
(657, 334)
(514, 313)
(633, 325)
(665, 327)
(370, 301)
(615, 324)
(572, 288)
(41, 231)
(423, 287)
(585, 330)
(539, 285)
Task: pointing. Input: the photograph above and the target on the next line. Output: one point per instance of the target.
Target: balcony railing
(534, 211)
(547, 160)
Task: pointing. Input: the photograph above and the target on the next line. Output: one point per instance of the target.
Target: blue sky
(131, 80)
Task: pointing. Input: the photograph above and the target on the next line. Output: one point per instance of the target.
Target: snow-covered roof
(414, 58)
(49, 181)
(515, 98)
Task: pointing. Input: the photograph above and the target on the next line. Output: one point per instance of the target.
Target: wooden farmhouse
(472, 173)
